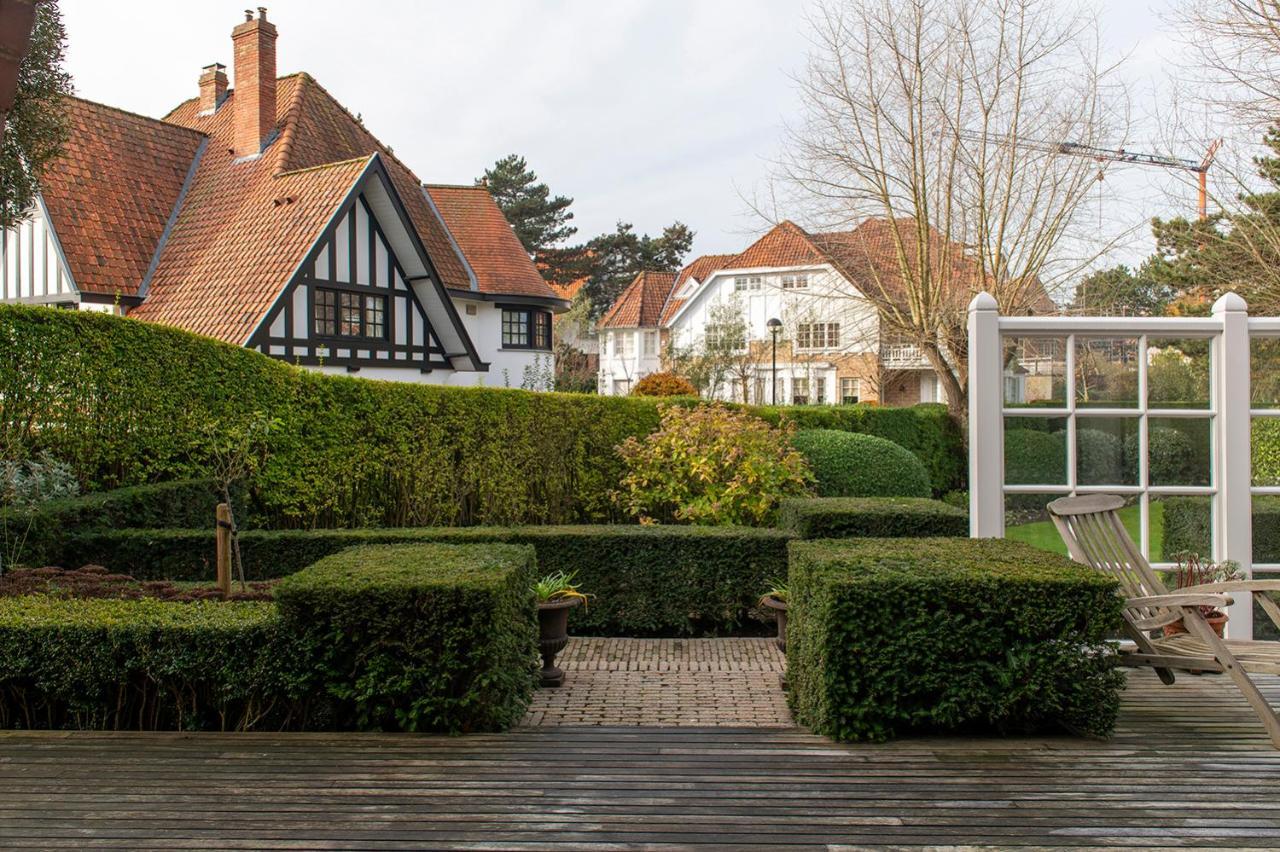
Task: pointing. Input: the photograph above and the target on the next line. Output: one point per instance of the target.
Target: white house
(267, 216)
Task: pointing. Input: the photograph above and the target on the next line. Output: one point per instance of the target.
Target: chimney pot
(248, 14)
(262, 13)
(255, 77)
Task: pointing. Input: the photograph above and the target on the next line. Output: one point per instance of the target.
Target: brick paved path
(666, 682)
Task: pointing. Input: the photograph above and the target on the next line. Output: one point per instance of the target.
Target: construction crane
(1117, 155)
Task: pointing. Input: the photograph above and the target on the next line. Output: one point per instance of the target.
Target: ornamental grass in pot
(556, 595)
(1193, 570)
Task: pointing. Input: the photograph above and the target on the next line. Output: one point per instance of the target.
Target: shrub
(849, 465)
(1188, 527)
(929, 431)
(26, 484)
(147, 664)
(664, 384)
(896, 636)
(645, 580)
(1033, 457)
(1100, 457)
(710, 465)
(871, 517)
(421, 636)
(1171, 457)
(1265, 441)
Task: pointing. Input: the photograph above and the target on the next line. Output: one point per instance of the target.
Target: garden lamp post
(775, 325)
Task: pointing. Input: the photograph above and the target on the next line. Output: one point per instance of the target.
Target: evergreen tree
(1122, 291)
(613, 260)
(36, 127)
(540, 220)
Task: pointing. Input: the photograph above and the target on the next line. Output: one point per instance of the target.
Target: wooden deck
(1188, 767)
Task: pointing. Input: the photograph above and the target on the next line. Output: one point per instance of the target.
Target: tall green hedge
(1188, 527)
(646, 580)
(851, 465)
(127, 403)
(896, 636)
(871, 517)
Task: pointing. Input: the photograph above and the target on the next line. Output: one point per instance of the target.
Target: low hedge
(1188, 527)
(874, 517)
(849, 465)
(419, 637)
(647, 580)
(147, 664)
(894, 636)
(34, 537)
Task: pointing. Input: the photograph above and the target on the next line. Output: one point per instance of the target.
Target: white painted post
(986, 420)
(1233, 504)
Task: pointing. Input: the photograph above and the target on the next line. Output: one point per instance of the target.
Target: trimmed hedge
(1034, 457)
(1188, 527)
(849, 465)
(872, 517)
(35, 537)
(928, 430)
(113, 664)
(647, 580)
(894, 636)
(419, 637)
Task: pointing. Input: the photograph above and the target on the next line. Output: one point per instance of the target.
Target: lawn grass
(1041, 534)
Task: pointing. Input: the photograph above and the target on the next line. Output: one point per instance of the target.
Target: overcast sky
(641, 110)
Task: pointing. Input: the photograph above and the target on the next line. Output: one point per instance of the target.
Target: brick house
(267, 216)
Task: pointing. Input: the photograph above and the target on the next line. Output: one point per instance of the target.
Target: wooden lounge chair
(1094, 535)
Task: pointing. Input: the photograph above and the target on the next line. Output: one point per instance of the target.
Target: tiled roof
(490, 246)
(640, 305)
(786, 244)
(111, 192)
(699, 271)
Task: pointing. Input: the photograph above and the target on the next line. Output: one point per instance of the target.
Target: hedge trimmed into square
(419, 637)
(147, 664)
(895, 636)
(645, 580)
(871, 517)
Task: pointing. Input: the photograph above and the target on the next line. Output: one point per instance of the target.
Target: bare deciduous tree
(940, 119)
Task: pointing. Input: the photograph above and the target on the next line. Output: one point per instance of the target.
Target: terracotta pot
(1217, 622)
(780, 615)
(553, 629)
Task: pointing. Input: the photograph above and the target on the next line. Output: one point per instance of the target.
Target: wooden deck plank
(1188, 767)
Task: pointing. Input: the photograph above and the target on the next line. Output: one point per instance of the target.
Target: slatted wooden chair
(1094, 535)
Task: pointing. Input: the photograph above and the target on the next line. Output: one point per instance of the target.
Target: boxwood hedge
(895, 636)
(127, 403)
(418, 637)
(850, 465)
(647, 580)
(872, 517)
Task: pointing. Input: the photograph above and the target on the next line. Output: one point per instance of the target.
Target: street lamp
(775, 326)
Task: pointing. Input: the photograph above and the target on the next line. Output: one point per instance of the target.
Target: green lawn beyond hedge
(127, 403)
(426, 637)
(897, 636)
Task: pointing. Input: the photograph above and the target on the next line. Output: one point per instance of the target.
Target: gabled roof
(112, 191)
(487, 241)
(786, 244)
(640, 305)
(700, 270)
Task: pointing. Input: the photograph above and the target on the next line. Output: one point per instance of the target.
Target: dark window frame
(526, 328)
(340, 313)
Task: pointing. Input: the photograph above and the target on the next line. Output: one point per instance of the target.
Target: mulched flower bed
(94, 581)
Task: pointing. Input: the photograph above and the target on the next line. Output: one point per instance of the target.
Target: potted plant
(776, 600)
(556, 595)
(1192, 570)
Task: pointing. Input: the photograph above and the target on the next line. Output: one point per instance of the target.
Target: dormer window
(799, 281)
(747, 284)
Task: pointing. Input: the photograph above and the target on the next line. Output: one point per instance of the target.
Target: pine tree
(36, 127)
(540, 220)
(613, 260)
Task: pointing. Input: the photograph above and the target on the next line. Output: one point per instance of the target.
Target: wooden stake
(224, 549)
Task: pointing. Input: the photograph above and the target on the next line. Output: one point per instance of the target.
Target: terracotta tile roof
(112, 191)
(490, 246)
(569, 290)
(699, 271)
(786, 244)
(640, 305)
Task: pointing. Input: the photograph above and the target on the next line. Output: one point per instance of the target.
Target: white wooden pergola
(1229, 412)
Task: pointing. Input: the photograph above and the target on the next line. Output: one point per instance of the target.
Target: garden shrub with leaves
(1034, 457)
(419, 637)
(888, 637)
(849, 465)
(871, 517)
(664, 384)
(710, 465)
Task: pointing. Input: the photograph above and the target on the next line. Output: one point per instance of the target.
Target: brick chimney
(213, 87)
(255, 70)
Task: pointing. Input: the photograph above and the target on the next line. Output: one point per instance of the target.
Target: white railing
(902, 356)
(1229, 413)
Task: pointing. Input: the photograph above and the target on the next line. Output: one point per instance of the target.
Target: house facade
(829, 344)
(267, 216)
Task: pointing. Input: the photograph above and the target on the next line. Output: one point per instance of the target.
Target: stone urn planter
(553, 627)
(779, 608)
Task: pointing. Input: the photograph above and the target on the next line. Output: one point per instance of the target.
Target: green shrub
(419, 637)
(850, 465)
(871, 517)
(1266, 450)
(710, 465)
(929, 431)
(1171, 457)
(645, 580)
(897, 636)
(1188, 527)
(146, 664)
(1033, 457)
(1100, 458)
(35, 537)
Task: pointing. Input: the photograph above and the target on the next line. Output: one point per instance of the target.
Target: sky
(645, 111)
